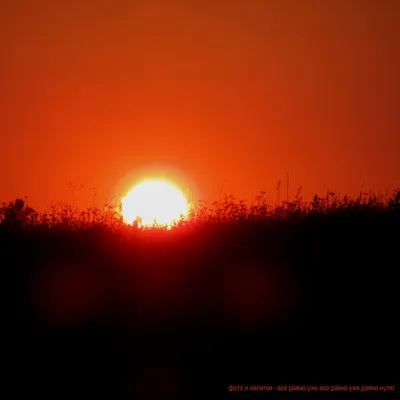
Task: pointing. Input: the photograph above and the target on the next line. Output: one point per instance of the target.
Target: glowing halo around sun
(154, 202)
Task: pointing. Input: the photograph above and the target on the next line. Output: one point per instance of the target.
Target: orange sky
(231, 93)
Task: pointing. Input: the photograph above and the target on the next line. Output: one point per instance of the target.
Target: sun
(154, 202)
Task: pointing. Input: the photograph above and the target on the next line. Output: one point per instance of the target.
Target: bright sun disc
(154, 202)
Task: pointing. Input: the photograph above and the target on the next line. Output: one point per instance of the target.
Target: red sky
(232, 93)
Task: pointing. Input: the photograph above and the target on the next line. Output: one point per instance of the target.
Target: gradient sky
(232, 93)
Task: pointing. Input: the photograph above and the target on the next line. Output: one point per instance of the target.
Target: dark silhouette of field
(125, 313)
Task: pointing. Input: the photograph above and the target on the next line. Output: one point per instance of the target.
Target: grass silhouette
(228, 210)
(295, 293)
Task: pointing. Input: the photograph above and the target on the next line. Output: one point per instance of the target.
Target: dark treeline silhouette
(129, 313)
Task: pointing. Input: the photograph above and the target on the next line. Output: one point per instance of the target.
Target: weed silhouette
(261, 294)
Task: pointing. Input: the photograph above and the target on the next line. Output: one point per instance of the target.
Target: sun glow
(154, 202)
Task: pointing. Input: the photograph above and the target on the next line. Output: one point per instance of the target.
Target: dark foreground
(185, 314)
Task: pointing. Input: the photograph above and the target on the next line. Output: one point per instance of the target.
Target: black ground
(184, 314)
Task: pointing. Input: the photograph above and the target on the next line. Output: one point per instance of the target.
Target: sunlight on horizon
(154, 202)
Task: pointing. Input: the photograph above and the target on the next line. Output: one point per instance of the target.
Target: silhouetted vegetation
(300, 293)
(228, 210)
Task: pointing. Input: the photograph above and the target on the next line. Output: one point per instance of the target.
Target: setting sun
(154, 202)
